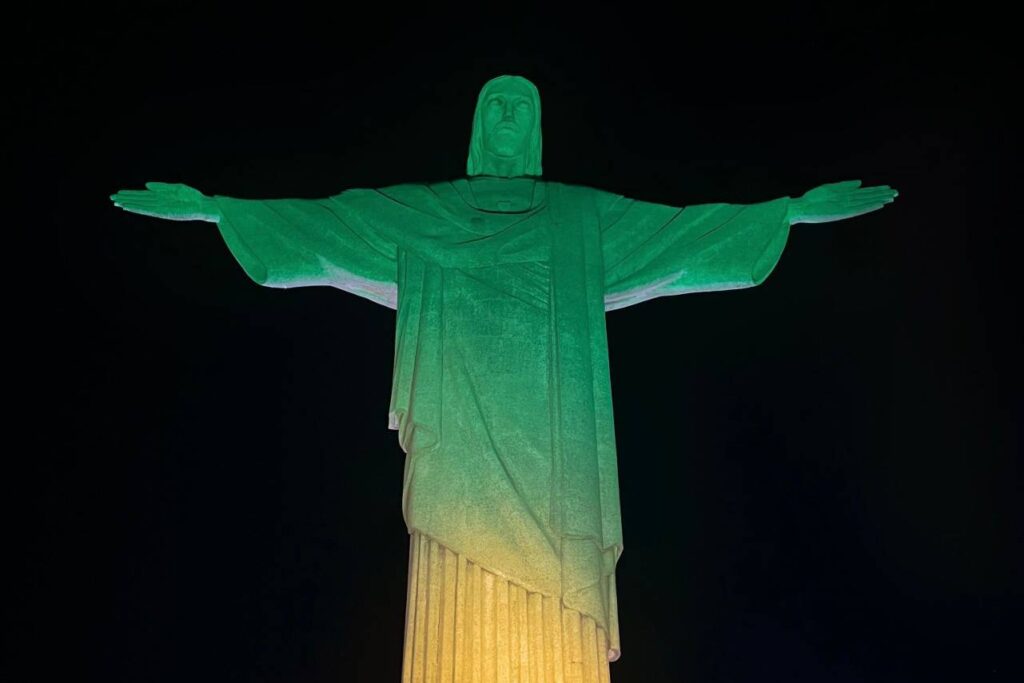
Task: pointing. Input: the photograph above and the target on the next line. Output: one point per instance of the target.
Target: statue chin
(505, 145)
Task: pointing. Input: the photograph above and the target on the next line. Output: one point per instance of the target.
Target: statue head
(506, 138)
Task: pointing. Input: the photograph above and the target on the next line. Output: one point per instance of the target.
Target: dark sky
(818, 475)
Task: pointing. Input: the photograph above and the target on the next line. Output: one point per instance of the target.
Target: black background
(818, 475)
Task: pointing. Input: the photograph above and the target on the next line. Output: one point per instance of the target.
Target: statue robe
(501, 394)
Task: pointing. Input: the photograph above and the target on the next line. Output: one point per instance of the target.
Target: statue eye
(523, 105)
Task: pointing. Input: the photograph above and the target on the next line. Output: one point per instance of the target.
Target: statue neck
(503, 195)
(503, 167)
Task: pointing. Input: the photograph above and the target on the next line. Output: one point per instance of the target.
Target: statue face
(508, 118)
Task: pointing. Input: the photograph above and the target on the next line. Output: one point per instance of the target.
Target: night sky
(819, 475)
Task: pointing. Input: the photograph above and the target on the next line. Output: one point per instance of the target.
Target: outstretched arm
(653, 250)
(287, 242)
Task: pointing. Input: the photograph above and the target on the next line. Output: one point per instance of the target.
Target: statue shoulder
(410, 194)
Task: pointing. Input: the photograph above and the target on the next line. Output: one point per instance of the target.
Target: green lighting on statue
(501, 394)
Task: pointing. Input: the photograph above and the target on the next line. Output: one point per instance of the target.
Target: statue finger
(143, 208)
(139, 201)
(134, 193)
(143, 211)
(886, 194)
(868, 195)
(845, 184)
(875, 201)
(879, 189)
(165, 187)
(882, 191)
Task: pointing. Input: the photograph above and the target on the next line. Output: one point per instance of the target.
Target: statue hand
(836, 201)
(173, 201)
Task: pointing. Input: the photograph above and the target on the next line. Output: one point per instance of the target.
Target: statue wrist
(794, 210)
(208, 206)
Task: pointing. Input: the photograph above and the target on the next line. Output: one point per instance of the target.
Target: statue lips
(507, 130)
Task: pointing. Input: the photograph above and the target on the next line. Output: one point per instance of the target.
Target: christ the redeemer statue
(501, 393)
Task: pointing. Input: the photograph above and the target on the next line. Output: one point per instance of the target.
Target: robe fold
(501, 394)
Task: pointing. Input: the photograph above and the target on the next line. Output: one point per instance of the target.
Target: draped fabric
(501, 394)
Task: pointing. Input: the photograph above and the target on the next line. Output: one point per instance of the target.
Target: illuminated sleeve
(653, 250)
(309, 242)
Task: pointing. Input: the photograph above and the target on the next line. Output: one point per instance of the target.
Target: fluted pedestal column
(465, 624)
